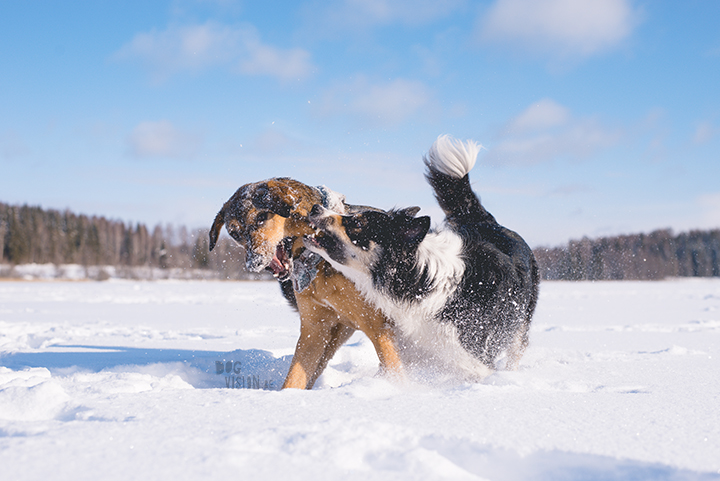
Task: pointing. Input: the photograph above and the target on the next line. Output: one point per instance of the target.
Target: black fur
(457, 199)
(496, 297)
(396, 271)
(288, 292)
(498, 293)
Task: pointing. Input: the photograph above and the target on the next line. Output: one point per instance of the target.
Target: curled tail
(448, 163)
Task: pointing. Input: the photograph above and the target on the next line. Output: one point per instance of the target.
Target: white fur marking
(422, 336)
(440, 253)
(332, 200)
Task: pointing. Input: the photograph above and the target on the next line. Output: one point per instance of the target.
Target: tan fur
(333, 307)
(259, 216)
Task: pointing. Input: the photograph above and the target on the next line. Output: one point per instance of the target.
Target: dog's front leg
(340, 334)
(384, 341)
(316, 334)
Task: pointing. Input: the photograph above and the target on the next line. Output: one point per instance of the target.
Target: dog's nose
(316, 210)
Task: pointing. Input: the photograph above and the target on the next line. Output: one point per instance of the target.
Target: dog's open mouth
(311, 241)
(318, 240)
(281, 264)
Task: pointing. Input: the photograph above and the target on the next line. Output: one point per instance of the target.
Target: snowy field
(159, 380)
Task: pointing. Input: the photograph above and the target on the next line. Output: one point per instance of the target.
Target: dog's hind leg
(517, 347)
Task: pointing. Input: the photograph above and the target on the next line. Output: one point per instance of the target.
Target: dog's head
(261, 216)
(358, 241)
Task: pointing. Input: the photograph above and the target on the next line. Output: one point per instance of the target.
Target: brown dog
(269, 219)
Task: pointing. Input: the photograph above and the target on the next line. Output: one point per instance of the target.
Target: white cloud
(266, 60)
(705, 132)
(199, 47)
(162, 139)
(384, 103)
(274, 140)
(359, 14)
(544, 114)
(545, 131)
(562, 28)
(393, 101)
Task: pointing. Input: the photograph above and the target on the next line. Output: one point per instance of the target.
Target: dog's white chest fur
(421, 335)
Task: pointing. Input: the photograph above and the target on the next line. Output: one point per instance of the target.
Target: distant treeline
(32, 235)
(657, 255)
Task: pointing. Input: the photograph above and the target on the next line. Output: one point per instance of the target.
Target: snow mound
(30, 395)
(358, 446)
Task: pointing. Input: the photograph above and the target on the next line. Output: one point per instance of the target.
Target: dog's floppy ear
(414, 230)
(269, 199)
(215, 229)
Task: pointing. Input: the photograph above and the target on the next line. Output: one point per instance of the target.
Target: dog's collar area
(304, 269)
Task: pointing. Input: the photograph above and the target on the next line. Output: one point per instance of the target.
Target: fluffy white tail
(452, 157)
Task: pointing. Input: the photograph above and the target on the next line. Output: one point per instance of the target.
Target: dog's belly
(424, 338)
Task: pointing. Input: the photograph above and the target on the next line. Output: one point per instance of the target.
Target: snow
(129, 380)
(77, 272)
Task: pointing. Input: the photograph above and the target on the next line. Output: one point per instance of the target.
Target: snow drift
(171, 379)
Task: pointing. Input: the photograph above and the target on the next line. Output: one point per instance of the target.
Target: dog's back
(460, 295)
(493, 305)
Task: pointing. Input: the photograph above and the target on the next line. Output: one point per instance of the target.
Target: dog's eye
(261, 218)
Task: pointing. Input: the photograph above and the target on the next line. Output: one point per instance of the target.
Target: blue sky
(598, 117)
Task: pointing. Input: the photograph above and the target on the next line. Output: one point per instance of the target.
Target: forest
(658, 255)
(33, 235)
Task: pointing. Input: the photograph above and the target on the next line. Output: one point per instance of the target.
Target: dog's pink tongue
(277, 264)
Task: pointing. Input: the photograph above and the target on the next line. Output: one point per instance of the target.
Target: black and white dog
(463, 295)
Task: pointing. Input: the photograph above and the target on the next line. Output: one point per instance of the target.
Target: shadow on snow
(252, 368)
